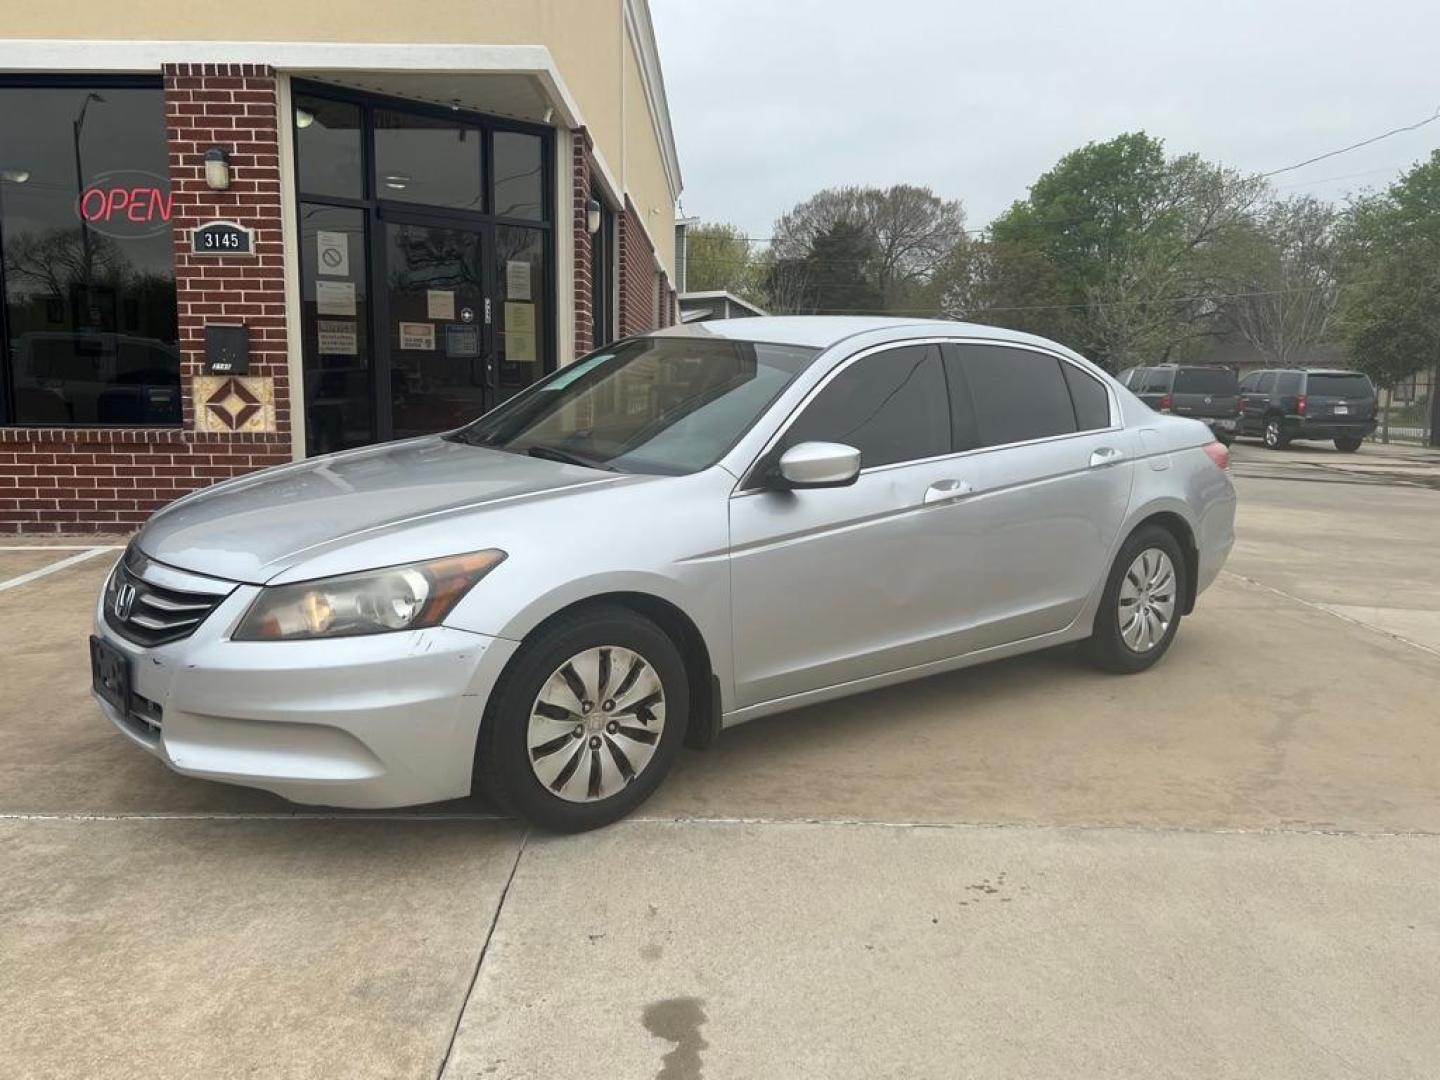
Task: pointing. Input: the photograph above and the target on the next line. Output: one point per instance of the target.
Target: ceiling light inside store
(303, 119)
(397, 181)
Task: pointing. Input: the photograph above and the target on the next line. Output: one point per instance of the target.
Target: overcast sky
(773, 100)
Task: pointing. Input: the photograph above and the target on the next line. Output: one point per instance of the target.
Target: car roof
(823, 331)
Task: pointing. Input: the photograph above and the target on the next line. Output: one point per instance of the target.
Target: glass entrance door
(441, 366)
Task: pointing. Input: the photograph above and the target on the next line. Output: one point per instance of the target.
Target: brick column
(584, 243)
(235, 107)
(637, 275)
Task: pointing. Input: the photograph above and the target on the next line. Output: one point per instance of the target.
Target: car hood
(255, 527)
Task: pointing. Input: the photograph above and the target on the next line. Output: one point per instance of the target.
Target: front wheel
(1140, 609)
(586, 721)
(1348, 445)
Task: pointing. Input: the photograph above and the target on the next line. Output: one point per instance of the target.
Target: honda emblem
(124, 601)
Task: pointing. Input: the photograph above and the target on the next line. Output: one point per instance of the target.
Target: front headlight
(371, 602)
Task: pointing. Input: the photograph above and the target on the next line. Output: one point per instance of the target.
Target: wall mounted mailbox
(227, 349)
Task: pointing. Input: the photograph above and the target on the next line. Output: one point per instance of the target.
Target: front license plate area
(110, 674)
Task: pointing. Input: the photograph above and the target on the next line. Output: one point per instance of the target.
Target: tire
(1274, 434)
(611, 742)
(1107, 647)
(1348, 445)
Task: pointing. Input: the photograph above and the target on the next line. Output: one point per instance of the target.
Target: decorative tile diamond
(234, 403)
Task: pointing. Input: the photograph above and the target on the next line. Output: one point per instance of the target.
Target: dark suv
(1208, 393)
(1301, 403)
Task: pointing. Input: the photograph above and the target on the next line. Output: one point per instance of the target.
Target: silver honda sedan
(670, 536)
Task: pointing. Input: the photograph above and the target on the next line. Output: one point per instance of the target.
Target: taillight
(1165, 402)
(1218, 454)
(1300, 405)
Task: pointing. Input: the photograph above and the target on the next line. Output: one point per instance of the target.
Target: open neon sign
(126, 204)
(142, 205)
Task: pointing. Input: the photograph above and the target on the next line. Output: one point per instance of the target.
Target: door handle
(947, 491)
(1105, 455)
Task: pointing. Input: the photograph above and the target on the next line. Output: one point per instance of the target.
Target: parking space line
(50, 547)
(25, 579)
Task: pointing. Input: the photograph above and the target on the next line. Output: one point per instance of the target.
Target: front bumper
(377, 721)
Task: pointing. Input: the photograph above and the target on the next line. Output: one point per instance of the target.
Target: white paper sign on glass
(517, 280)
(336, 338)
(440, 304)
(332, 253)
(335, 298)
(417, 336)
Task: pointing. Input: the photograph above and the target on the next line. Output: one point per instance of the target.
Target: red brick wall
(584, 243)
(233, 106)
(111, 479)
(637, 275)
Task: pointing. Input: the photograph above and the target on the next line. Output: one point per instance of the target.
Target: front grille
(148, 611)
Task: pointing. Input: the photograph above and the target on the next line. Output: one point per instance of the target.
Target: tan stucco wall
(644, 174)
(587, 39)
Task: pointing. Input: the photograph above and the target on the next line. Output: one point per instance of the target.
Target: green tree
(1131, 238)
(1390, 309)
(719, 256)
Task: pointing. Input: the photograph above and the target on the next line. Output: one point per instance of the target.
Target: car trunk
(1205, 394)
(1339, 397)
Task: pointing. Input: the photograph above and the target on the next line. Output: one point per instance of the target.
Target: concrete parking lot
(1229, 866)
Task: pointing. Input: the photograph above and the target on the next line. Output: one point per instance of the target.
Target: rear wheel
(1275, 437)
(586, 722)
(1140, 609)
(1349, 444)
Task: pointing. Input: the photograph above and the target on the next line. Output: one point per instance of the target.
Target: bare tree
(1285, 292)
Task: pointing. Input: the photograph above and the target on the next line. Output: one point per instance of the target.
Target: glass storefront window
(90, 331)
(524, 314)
(419, 159)
(327, 150)
(334, 322)
(519, 181)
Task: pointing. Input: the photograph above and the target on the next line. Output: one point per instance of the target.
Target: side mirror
(818, 465)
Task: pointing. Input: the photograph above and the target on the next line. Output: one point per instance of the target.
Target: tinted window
(517, 176)
(336, 337)
(327, 147)
(89, 261)
(1349, 386)
(1205, 381)
(1248, 383)
(891, 406)
(1267, 382)
(1155, 381)
(1124, 376)
(1288, 382)
(1017, 394)
(423, 160)
(1091, 400)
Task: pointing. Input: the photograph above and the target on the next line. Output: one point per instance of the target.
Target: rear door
(1344, 397)
(1254, 400)
(1205, 393)
(1057, 472)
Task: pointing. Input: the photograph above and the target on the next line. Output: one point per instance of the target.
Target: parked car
(1307, 403)
(670, 536)
(1209, 393)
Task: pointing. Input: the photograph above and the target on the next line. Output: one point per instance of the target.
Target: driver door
(830, 585)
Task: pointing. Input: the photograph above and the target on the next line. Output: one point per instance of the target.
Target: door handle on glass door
(947, 491)
(1105, 455)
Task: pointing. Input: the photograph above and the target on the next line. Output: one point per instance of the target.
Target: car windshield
(1205, 381)
(667, 405)
(1347, 386)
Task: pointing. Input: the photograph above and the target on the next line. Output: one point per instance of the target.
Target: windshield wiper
(550, 453)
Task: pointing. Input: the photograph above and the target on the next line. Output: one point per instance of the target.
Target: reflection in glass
(333, 323)
(89, 270)
(437, 366)
(518, 179)
(327, 147)
(420, 159)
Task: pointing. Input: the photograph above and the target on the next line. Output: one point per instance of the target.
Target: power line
(1354, 146)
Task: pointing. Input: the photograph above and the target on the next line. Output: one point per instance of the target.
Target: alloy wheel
(1272, 433)
(595, 724)
(1147, 600)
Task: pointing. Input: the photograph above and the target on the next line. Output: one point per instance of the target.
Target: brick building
(223, 252)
